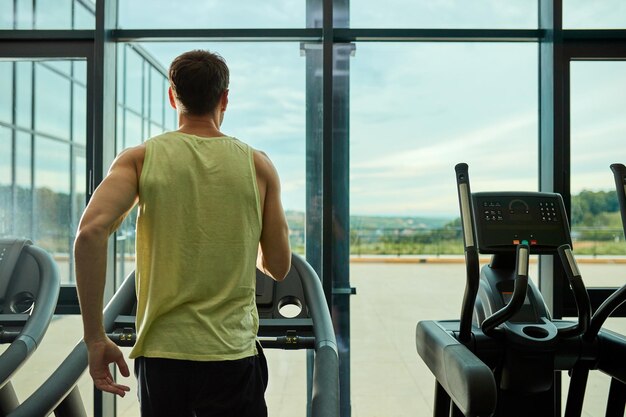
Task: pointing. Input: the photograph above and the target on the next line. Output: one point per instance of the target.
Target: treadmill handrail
(325, 395)
(43, 310)
(58, 386)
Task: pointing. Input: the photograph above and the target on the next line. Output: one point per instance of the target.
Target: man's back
(198, 232)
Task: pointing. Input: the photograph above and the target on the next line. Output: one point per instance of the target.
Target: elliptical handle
(581, 297)
(465, 205)
(619, 173)
(472, 267)
(519, 292)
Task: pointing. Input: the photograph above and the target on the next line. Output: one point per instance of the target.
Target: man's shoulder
(132, 156)
(260, 158)
(263, 164)
(134, 151)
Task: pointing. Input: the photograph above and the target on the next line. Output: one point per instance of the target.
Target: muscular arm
(275, 252)
(111, 202)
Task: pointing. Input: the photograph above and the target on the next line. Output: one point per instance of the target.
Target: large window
(417, 86)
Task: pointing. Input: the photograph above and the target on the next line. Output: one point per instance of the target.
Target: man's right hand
(102, 353)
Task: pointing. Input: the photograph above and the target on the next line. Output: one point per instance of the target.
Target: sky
(416, 109)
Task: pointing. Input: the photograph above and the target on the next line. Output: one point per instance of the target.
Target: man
(209, 210)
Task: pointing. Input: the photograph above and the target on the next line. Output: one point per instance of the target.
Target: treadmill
(29, 290)
(310, 329)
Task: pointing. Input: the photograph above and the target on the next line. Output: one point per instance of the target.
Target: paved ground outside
(388, 377)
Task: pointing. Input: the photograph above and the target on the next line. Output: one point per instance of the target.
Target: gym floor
(388, 377)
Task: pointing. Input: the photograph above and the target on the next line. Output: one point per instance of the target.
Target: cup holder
(289, 307)
(22, 303)
(536, 332)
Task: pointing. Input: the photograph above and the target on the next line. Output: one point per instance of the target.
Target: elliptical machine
(499, 358)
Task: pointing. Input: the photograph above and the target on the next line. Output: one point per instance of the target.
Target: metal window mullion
(103, 149)
(73, 14)
(124, 95)
(33, 200)
(327, 150)
(12, 225)
(149, 91)
(163, 100)
(143, 99)
(72, 205)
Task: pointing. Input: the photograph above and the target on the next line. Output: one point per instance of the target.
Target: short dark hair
(198, 79)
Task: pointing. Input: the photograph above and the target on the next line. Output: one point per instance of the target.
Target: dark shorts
(180, 388)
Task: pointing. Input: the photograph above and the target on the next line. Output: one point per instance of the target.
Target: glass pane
(416, 110)
(64, 68)
(79, 193)
(6, 17)
(133, 133)
(158, 96)
(582, 14)
(24, 14)
(47, 191)
(448, 14)
(53, 14)
(23, 220)
(6, 86)
(597, 136)
(24, 100)
(5, 182)
(203, 14)
(23, 157)
(52, 204)
(84, 17)
(133, 80)
(80, 72)
(52, 102)
(79, 115)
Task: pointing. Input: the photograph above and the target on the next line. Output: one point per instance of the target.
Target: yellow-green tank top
(198, 231)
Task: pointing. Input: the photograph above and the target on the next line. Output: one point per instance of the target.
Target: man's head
(198, 79)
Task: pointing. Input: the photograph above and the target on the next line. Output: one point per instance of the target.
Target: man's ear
(224, 100)
(170, 94)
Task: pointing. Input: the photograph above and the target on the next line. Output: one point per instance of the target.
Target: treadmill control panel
(505, 219)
